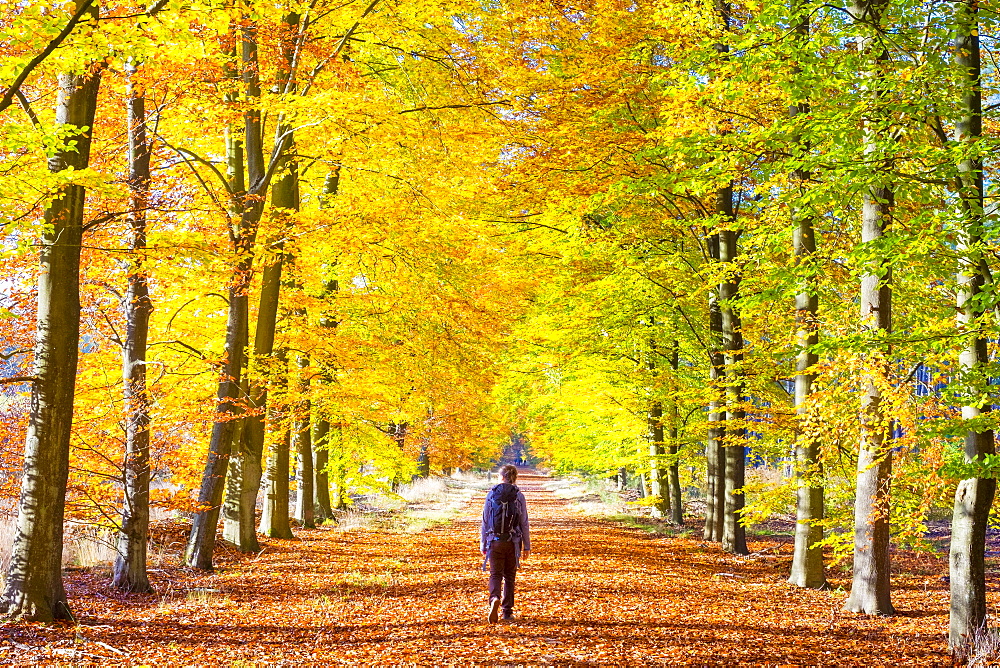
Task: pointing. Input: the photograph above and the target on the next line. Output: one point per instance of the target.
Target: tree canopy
(689, 242)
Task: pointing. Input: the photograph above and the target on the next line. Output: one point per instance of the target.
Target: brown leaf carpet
(592, 593)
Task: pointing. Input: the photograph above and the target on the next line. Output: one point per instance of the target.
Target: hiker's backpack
(504, 516)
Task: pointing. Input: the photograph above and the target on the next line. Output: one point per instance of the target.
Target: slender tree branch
(503, 103)
(155, 9)
(18, 379)
(8, 97)
(26, 105)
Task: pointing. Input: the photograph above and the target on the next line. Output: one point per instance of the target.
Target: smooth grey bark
(658, 483)
(717, 428)
(247, 198)
(130, 565)
(336, 472)
(302, 441)
(807, 558)
(323, 437)
(974, 496)
(725, 342)
(715, 452)
(733, 532)
(236, 469)
(274, 520)
(245, 209)
(246, 468)
(870, 588)
(322, 434)
(201, 542)
(657, 472)
(674, 467)
(33, 590)
(424, 456)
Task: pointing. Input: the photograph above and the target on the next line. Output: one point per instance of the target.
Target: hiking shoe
(494, 610)
(508, 615)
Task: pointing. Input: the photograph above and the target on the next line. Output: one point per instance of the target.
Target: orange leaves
(592, 592)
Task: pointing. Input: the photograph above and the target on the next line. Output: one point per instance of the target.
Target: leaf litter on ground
(593, 592)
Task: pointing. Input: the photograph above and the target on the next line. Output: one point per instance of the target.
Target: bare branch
(18, 379)
(502, 103)
(26, 105)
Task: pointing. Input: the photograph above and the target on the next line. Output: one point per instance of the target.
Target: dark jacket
(521, 533)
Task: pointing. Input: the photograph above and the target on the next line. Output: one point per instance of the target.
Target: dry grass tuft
(89, 547)
(424, 490)
(983, 650)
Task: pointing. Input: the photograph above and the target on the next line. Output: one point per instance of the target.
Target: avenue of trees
(350, 243)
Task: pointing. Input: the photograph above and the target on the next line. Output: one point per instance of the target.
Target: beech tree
(807, 560)
(274, 520)
(303, 445)
(248, 181)
(33, 588)
(870, 588)
(246, 470)
(974, 495)
(130, 566)
(617, 231)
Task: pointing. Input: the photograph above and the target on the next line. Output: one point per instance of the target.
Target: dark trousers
(503, 568)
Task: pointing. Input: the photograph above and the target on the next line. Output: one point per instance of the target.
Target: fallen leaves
(593, 592)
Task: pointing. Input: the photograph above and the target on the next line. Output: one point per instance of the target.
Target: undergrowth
(600, 498)
(416, 506)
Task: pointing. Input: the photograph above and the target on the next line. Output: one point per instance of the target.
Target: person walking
(504, 539)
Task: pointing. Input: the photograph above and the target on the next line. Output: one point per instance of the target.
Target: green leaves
(959, 467)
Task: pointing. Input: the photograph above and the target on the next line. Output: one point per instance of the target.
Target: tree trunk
(733, 532)
(321, 479)
(722, 504)
(424, 458)
(657, 472)
(304, 496)
(654, 418)
(870, 588)
(34, 588)
(397, 432)
(807, 560)
(244, 488)
(201, 542)
(674, 468)
(247, 205)
(974, 496)
(130, 565)
(714, 450)
(274, 518)
(323, 435)
(335, 466)
(246, 467)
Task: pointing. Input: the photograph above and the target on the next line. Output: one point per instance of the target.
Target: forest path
(593, 592)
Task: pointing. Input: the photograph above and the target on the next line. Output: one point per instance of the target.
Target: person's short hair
(509, 473)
